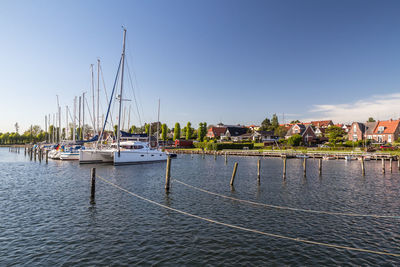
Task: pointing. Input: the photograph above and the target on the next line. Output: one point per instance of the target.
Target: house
(386, 131)
(321, 124)
(264, 136)
(306, 131)
(357, 131)
(232, 131)
(242, 137)
(369, 130)
(215, 132)
(253, 127)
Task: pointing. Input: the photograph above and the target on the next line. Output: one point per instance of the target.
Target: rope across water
(248, 229)
(289, 208)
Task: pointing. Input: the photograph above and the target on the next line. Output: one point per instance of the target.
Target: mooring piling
(168, 174)
(234, 173)
(362, 166)
(47, 156)
(258, 170)
(284, 167)
(226, 158)
(390, 162)
(93, 185)
(305, 166)
(383, 165)
(320, 166)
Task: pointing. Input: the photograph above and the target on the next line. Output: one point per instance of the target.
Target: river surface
(46, 218)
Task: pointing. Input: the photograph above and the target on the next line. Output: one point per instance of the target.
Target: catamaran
(125, 152)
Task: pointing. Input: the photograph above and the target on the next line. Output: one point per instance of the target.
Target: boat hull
(69, 156)
(136, 157)
(96, 156)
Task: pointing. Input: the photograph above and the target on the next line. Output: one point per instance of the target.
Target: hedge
(221, 146)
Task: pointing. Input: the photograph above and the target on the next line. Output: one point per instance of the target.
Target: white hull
(54, 154)
(96, 156)
(69, 156)
(137, 156)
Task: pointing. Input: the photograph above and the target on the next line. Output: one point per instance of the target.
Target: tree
(115, 130)
(177, 131)
(265, 125)
(335, 134)
(202, 131)
(189, 131)
(146, 128)
(133, 129)
(280, 131)
(16, 127)
(295, 121)
(164, 130)
(274, 122)
(370, 119)
(294, 140)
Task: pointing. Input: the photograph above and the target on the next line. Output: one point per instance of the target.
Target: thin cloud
(379, 107)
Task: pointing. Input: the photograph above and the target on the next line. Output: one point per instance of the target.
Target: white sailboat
(126, 152)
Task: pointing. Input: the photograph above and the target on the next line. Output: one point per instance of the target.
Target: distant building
(386, 131)
(305, 131)
(216, 132)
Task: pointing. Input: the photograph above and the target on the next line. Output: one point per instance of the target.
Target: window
(381, 129)
(355, 128)
(389, 138)
(355, 137)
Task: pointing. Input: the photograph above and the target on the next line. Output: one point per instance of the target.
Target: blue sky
(229, 61)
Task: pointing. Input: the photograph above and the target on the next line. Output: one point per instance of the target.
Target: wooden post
(24, 150)
(284, 167)
(234, 173)
(34, 154)
(47, 156)
(168, 174)
(40, 155)
(215, 155)
(390, 161)
(258, 170)
(93, 185)
(398, 163)
(320, 166)
(362, 166)
(226, 159)
(305, 166)
(30, 153)
(383, 165)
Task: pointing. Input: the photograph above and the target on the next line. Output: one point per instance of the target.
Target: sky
(235, 62)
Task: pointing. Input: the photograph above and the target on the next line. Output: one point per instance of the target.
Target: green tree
(16, 127)
(294, 140)
(146, 128)
(370, 119)
(177, 131)
(115, 130)
(274, 122)
(295, 121)
(133, 129)
(189, 131)
(265, 124)
(334, 134)
(202, 131)
(164, 130)
(280, 131)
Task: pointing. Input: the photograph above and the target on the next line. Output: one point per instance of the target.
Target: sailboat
(126, 152)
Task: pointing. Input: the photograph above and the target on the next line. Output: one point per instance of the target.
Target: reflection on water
(47, 219)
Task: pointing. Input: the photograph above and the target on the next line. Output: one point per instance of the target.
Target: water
(46, 218)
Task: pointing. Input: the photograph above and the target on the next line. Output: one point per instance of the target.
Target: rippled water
(46, 218)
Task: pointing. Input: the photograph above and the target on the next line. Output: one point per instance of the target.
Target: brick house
(386, 131)
(306, 131)
(320, 124)
(356, 131)
(215, 132)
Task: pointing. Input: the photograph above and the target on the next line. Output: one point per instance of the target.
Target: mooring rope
(288, 208)
(248, 229)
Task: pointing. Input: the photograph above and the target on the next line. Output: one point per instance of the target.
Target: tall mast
(54, 124)
(45, 125)
(74, 119)
(120, 94)
(79, 119)
(83, 116)
(98, 93)
(158, 121)
(94, 111)
(66, 121)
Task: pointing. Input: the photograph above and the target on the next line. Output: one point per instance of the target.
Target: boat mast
(83, 116)
(98, 94)
(158, 121)
(79, 119)
(74, 118)
(94, 111)
(120, 95)
(66, 119)
(45, 125)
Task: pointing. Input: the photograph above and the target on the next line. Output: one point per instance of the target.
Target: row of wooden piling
(36, 153)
